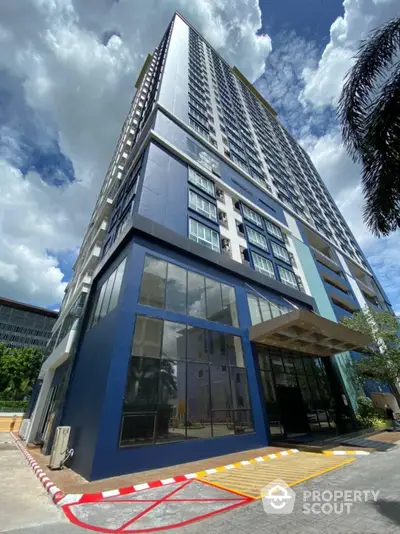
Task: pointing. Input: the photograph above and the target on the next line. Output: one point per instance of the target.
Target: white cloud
(323, 83)
(36, 218)
(342, 177)
(305, 89)
(283, 78)
(53, 54)
(80, 90)
(322, 88)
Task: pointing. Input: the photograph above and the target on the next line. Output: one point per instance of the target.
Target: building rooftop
(28, 307)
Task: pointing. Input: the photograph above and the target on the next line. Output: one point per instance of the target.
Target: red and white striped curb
(60, 498)
(55, 492)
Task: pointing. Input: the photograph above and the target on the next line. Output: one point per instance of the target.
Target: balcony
(326, 260)
(101, 231)
(92, 259)
(367, 288)
(333, 277)
(340, 312)
(342, 298)
(61, 352)
(104, 209)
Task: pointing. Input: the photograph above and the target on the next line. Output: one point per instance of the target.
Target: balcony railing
(329, 262)
(366, 287)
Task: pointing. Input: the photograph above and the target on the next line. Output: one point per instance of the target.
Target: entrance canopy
(304, 331)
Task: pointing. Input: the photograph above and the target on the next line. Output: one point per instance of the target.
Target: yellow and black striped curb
(243, 463)
(294, 469)
(347, 453)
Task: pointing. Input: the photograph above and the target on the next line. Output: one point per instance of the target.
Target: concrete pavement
(378, 472)
(26, 508)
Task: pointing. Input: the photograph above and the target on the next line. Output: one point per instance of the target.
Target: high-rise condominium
(202, 317)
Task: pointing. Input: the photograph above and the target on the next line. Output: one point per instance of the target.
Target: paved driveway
(377, 472)
(25, 506)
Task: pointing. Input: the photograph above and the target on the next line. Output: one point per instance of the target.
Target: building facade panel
(22, 325)
(211, 220)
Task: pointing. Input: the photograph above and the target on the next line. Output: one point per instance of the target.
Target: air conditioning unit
(220, 194)
(60, 447)
(300, 283)
(222, 217)
(292, 259)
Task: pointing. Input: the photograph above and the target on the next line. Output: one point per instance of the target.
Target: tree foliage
(381, 359)
(369, 111)
(19, 369)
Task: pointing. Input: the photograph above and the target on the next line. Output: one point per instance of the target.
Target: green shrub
(13, 406)
(368, 416)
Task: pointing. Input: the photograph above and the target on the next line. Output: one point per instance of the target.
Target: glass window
(107, 298)
(107, 294)
(229, 312)
(196, 295)
(221, 397)
(287, 277)
(198, 401)
(147, 339)
(187, 292)
(117, 286)
(255, 314)
(174, 341)
(262, 309)
(200, 392)
(197, 344)
(98, 305)
(257, 239)
(218, 348)
(252, 216)
(262, 265)
(171, 409)
(265, 307)
(213, 299)
(274, 230)
(234, 350)
(268, 387)
(204, 235)
(199, 129)
(198, 116)
(240, 390)
(175, 297)
(141, 394)
(280, 252)
(202, 206)
(153, 283)
(137, 429)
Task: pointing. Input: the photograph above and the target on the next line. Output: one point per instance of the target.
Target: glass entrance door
(296, 392)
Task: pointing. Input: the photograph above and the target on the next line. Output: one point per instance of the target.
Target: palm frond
(369, 110)
(374, 57)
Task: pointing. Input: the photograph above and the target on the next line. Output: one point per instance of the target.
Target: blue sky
(309, 19)
(67, 71)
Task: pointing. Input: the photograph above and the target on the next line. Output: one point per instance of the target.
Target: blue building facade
(217, 224)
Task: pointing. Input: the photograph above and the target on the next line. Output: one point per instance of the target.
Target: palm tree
(369, 111)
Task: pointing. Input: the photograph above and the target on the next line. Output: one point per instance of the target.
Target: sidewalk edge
(55, 493)
(60, 498)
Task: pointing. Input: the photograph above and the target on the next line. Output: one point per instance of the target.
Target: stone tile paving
(378, 472)
(70, 482)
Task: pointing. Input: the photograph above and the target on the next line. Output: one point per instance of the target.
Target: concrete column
(40, 406)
